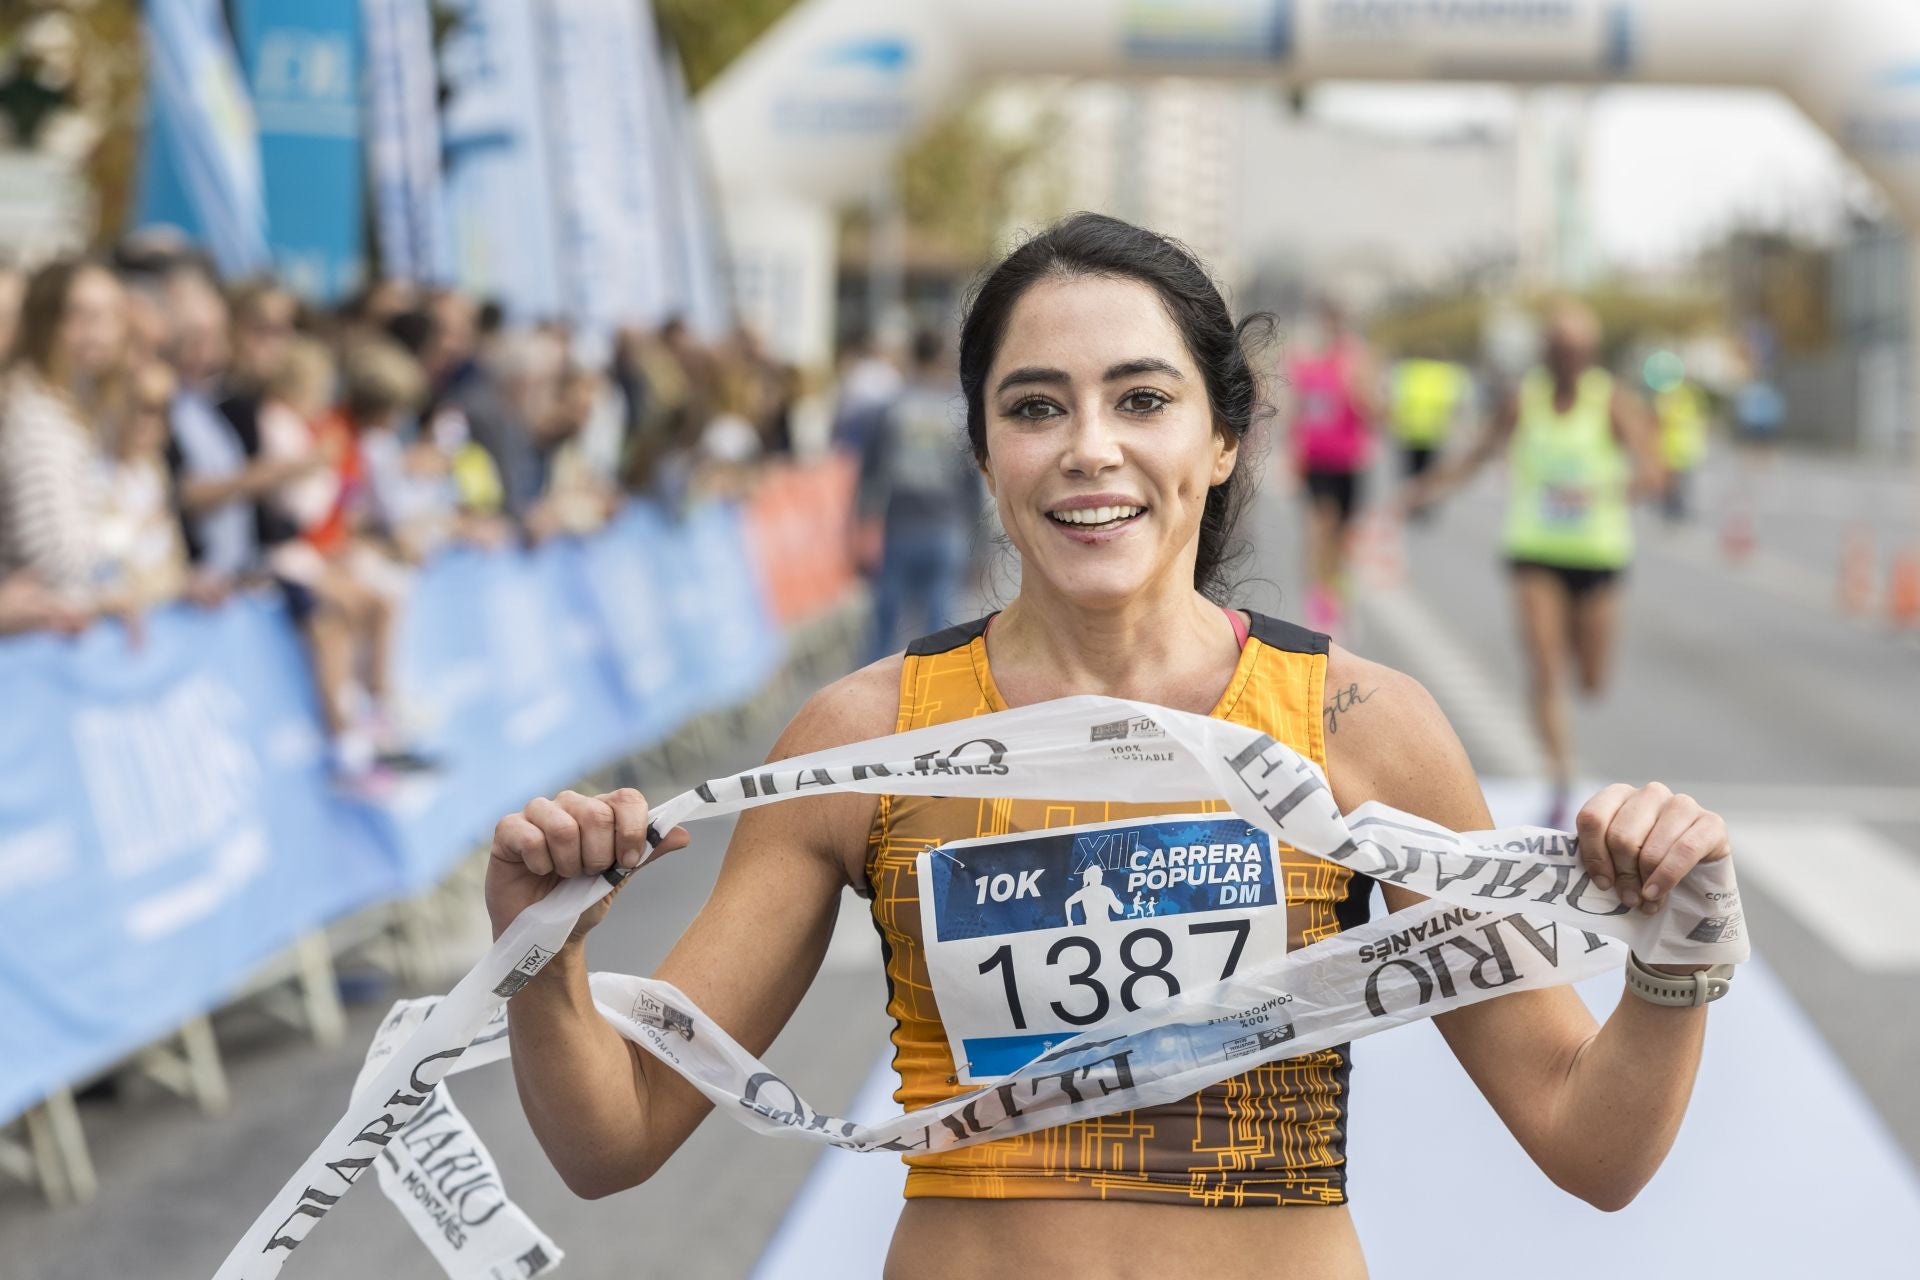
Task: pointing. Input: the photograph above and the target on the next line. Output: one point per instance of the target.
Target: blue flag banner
(167, 818)
(303, 63)
(500, 191)
(700, 254)
(202, 164)
(403, 132)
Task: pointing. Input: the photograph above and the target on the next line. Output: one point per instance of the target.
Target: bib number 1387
(1032, 938)
(1074, 949)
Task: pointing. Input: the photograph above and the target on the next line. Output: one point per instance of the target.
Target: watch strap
(1678, 990)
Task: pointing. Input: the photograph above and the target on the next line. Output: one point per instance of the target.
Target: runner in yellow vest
(1681, 409)
(1579, 447)
(1427, 397)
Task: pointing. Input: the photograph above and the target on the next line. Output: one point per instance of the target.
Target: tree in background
(710, 34)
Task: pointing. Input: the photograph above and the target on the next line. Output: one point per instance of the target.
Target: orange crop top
(1273, 1135)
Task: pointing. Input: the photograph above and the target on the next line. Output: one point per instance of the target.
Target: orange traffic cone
(1903, 589)
(1857, 571)
(1736, 537)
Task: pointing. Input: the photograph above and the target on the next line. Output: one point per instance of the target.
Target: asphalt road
(1745, 686)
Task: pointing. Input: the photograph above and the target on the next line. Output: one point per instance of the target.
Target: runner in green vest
(1579, 448)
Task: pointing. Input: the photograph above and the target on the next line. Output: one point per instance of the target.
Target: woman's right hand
(551, 841)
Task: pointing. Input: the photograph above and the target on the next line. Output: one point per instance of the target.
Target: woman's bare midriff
(945, 1239)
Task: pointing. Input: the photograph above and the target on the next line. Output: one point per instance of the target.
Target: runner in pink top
(1332, 437)
(1329, 431)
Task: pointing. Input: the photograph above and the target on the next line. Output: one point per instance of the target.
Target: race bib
(1565, 503)
(1035, 937)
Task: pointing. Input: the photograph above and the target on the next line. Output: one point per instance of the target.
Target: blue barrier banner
(629, 570)
(687, 624)
(165, 826)
(167, 818)
(730, 642)
(303, 61)
(505, 660)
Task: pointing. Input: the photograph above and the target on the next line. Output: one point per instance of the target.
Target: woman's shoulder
(860, 705)
(1387, 738)
(854, 708)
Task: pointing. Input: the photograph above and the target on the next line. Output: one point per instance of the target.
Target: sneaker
(407, 760)
(374, 784)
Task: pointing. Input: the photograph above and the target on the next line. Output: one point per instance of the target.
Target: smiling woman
(1171, 375)
(1109, 397)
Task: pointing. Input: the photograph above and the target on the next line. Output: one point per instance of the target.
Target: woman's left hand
(1643, 841)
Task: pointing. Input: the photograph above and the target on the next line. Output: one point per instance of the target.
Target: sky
(1666, 168)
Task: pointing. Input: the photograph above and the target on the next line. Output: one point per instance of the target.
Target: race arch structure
(806, 120)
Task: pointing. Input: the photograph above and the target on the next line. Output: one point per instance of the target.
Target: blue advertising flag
(202, 169)
(303, 61)
(700, 250)
(500, 190)
(403, 141)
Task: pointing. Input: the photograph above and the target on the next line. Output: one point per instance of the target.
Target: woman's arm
(1456, 469)
(1636, 430)
(1595, 1107)
(607, 1115)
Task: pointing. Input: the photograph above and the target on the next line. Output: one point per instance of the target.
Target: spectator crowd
(168, 440)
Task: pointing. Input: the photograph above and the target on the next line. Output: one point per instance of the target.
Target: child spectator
(347, 620)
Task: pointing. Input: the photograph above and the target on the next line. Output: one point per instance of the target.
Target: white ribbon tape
(1493, 927)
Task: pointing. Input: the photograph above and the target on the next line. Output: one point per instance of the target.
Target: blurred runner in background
(1759, 412)
(1332, 385)
(1579, 448)
(919, 484)
(1426, 396)
(1681, 408)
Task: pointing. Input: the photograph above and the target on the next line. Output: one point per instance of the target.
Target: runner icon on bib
(1035, 937)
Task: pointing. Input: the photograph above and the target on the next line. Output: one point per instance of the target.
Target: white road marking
(1858, 891)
